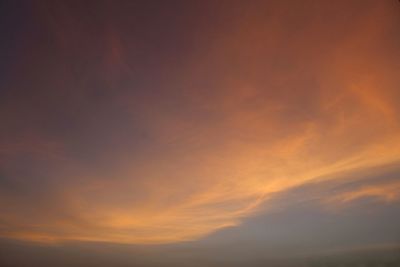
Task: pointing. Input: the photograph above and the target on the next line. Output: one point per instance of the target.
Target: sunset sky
(199, 130)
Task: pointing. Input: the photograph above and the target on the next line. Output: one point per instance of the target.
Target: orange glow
(319, 111)
(387, 192)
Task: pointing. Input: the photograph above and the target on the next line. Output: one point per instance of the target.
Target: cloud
(387, 192)
(299, 228)
(165, 132)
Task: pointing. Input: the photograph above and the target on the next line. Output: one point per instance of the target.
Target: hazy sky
(201, 130)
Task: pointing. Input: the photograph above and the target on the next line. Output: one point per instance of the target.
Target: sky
(176, 133)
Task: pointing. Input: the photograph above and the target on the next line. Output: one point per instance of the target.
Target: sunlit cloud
(260, 106)
(388, 192)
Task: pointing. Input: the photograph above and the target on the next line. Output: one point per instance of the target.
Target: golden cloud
(285, 106)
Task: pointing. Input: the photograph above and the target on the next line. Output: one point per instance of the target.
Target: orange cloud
(388, 192)
(268, 104)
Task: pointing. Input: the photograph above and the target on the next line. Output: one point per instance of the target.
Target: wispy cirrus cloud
(168, 131)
